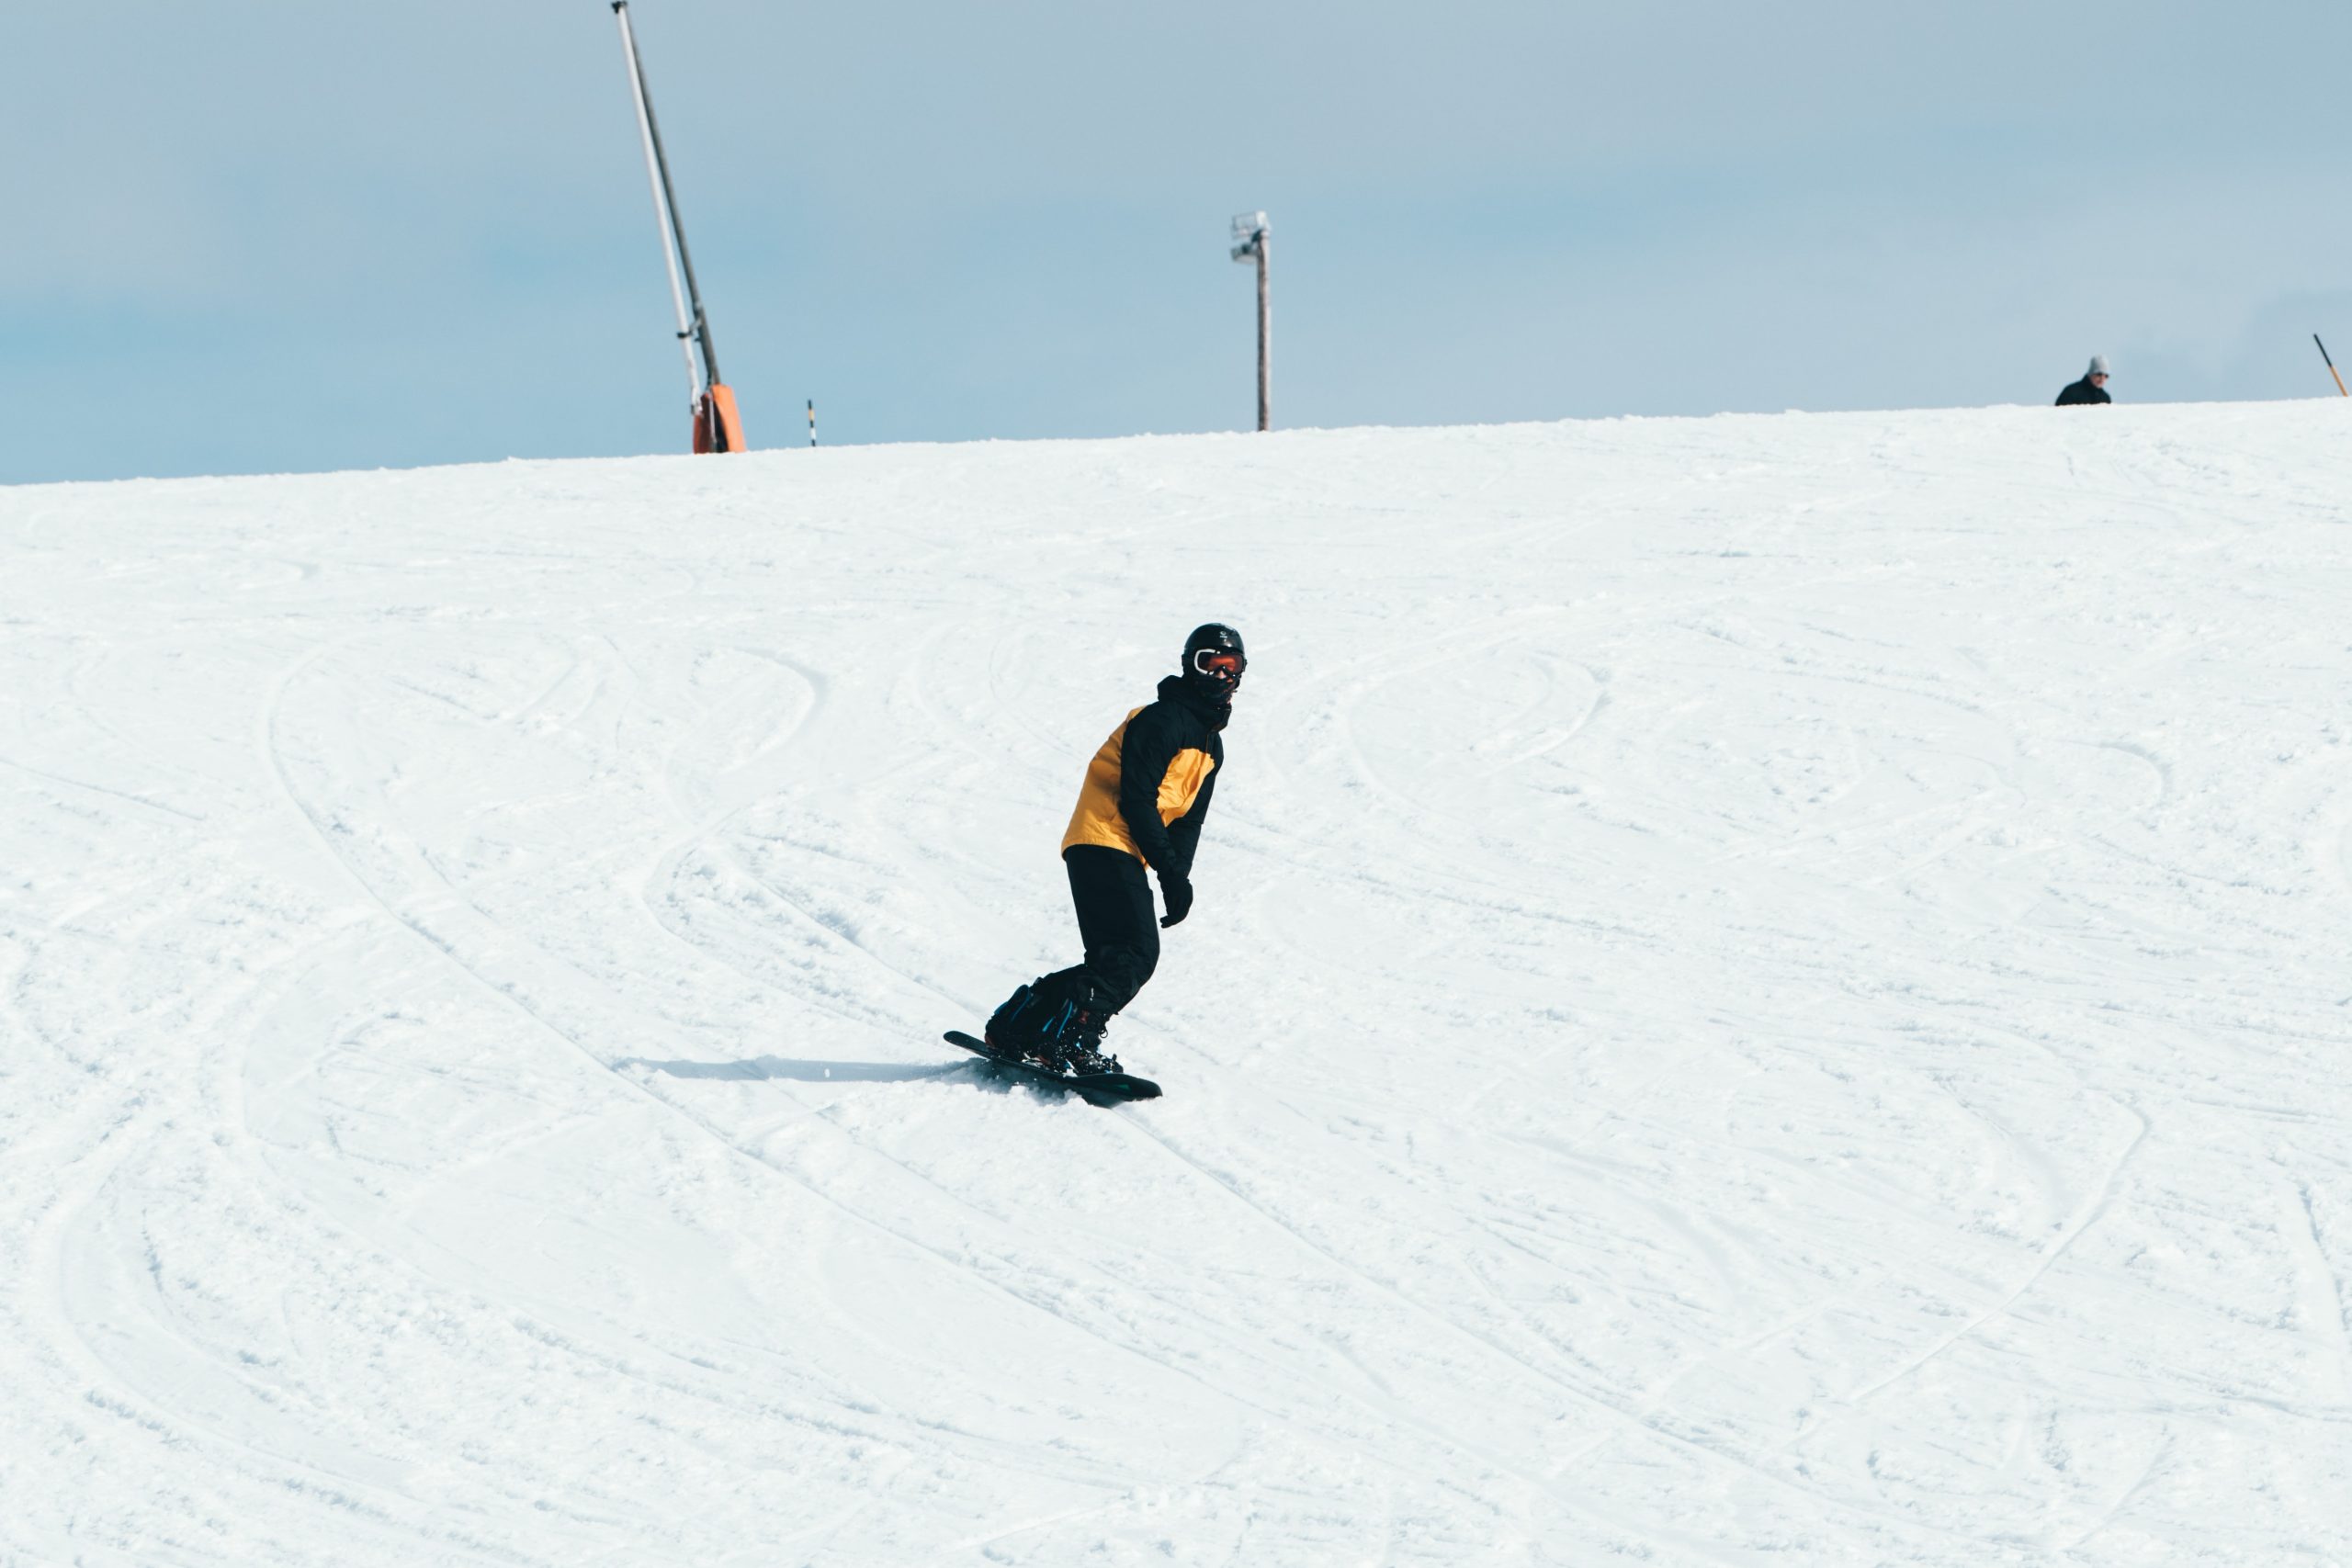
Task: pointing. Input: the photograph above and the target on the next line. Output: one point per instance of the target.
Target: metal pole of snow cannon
(2331, 365)
(1250, 243)
(660, 206)
(717, 426)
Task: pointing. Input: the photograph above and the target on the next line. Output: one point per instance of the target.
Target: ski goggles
(1217, 663)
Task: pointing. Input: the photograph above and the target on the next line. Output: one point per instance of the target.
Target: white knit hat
(2099, 364)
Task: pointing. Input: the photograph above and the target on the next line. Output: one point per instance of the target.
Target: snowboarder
(1145, 794)
(2091, 389)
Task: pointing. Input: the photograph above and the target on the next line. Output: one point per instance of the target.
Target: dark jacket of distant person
(2091, 389)
(2080, 391)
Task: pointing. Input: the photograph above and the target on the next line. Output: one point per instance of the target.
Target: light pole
(1249, 244)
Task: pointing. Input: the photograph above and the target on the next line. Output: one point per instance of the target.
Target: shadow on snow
(803, 1071)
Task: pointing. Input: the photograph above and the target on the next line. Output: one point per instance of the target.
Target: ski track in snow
(1764, 990)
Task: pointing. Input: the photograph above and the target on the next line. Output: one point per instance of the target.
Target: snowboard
(1097, 1088)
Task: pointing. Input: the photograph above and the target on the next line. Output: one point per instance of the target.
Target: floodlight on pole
(1250, 243)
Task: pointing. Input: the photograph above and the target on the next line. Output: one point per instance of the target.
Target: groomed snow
(1765, 990)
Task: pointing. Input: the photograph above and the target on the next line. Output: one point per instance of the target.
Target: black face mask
(1219, 710)
(1211, 699)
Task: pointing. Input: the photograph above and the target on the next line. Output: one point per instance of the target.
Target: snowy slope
(1765, 990)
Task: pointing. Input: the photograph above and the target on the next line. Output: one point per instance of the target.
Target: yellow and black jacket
(1148, 788)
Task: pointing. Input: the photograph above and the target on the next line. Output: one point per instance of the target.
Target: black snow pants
(1116, 920)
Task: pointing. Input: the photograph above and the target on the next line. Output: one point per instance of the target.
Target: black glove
(1177, 889)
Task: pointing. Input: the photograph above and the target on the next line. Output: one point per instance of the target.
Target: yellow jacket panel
(1156, 815)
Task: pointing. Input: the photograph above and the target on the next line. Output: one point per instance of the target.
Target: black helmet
(1212, 657)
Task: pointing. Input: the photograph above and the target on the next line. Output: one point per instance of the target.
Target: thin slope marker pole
(2331, 365)
(655, 177)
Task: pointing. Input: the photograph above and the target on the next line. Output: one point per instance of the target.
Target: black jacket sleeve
(1184, 833)
(1153, 738)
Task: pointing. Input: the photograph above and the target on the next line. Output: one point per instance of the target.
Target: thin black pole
(2331, 365)
(1265, 340)
(1250, 243)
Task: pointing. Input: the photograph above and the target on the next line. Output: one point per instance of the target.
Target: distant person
(2091, 389)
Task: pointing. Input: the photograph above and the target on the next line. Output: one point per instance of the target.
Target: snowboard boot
(1084, 1056)
(1017, 1031)
(1077, 1038)
(1059, 1033)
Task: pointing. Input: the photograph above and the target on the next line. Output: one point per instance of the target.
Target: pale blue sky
(295, 235)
